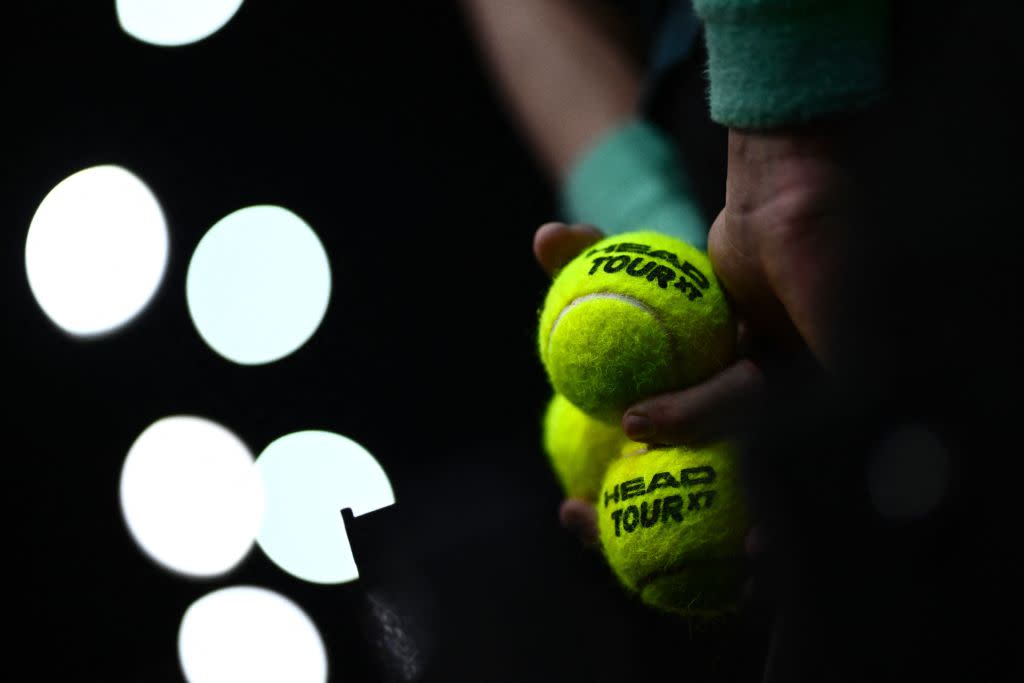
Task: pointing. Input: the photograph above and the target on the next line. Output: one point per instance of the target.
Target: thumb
(555, 244)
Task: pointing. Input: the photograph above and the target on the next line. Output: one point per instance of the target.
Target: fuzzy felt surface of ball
(632, 316)
(672, 523)
(579, 447)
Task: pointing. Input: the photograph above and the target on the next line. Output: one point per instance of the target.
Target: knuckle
(748, 372)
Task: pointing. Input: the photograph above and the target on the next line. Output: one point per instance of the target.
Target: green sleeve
(777, 62)
(632, 179)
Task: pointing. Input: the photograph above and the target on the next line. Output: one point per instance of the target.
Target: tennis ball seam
(682, 567)
(688, 609)
(626, 299)
(603, 295)
(689, 562)
(621, 352)
(632, 450)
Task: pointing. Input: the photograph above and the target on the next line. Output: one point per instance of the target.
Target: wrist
(789, 169)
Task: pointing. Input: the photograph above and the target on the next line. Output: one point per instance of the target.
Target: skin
(776, 247)
(549, 58)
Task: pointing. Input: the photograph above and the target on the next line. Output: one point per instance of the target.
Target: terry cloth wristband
(777, 62)
(632, 179)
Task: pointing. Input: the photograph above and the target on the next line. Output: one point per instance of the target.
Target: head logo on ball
(672, 523)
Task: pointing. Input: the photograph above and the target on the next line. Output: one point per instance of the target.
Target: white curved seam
(604, 295)
(641, 449)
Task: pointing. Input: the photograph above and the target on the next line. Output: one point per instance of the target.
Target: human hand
(777, 248)
(554, 245)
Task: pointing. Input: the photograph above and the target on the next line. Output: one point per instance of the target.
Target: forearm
(564, 80)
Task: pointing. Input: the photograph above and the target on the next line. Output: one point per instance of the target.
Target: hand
(777, 248)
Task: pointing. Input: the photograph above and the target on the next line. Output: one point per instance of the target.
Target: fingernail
(636, 426)
(555, 225)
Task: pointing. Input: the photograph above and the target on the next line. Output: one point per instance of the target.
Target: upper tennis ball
(634, 315)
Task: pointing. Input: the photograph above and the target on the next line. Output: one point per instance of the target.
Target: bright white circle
(908, 473)
(96, 250)
(309, 478)
(191, 496)
(174, 22)
(258, 284)
(249, 635)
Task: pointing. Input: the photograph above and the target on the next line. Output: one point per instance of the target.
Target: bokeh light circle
(247, 634)
(258, 284)
(174, 22)
(191, 496)
(909, 473)
(96, 250)
(309, 478)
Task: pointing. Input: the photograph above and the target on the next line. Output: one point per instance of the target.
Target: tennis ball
(672, 523)
(579, 447)
(634, 315)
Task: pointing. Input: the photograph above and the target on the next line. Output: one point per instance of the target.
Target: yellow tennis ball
(672, 523)
(634, 315)
(579, 447)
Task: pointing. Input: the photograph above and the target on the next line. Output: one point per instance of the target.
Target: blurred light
(309, 478)
(96, 250)
(174, 22)
(908, 473)
(249, 635)
(191, 496)
(258, 284)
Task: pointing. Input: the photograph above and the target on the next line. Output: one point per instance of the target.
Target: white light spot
(908, 473)
(246, 634)
(258, 284)
(309, 478)
(191, 496)
(96, 250)
(174, 22)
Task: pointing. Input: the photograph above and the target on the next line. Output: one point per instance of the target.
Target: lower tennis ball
(634, 315)
(579, 447)
(672, 523)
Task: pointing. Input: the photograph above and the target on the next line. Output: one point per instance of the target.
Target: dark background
(379, 128)
(377, 125)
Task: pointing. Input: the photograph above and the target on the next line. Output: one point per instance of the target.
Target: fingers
(698, 415)
(579, 517)
(778, 245)
(737, 262)
(555, 244)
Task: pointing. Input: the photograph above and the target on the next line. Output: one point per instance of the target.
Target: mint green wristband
(632, 179)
